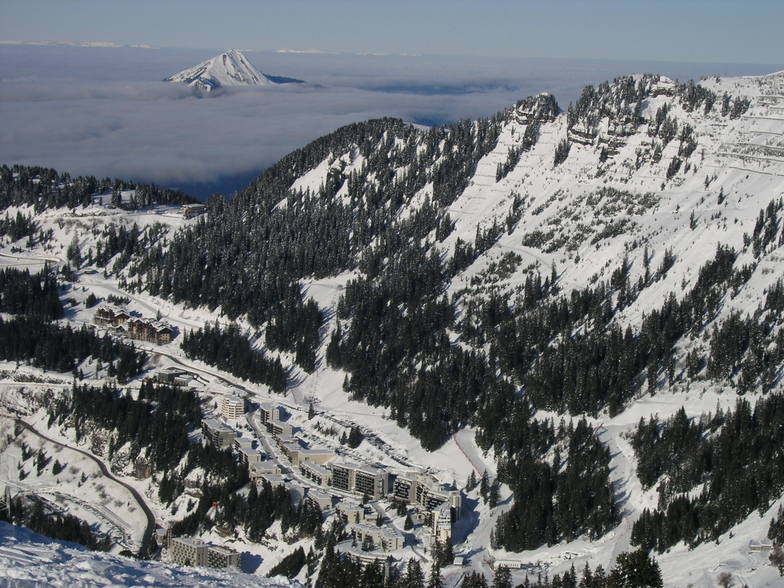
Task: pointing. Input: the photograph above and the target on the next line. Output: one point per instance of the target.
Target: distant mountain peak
(230, 68)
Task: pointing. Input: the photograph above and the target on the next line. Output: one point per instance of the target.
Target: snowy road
(150, 528)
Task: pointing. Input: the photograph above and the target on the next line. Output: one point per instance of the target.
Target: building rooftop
(384, 531)
(249, 453)
(216, 425)
(362, 555)
(315, 467)
(318, 451)
(319, 494)
(291, 446)
(192, 541)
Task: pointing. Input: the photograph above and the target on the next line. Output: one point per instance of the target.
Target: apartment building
(367, 557)
(258, 469)
(232, 407)
(441, 524)
(187, 551)
(350, 512)
(371, 537)
(316, 473)
(425, 492)
(359, 479)
(249, 456)
(319, 455)
(222, 557)
(217, 433)
(269, 412)
(195, 552)
(241, 443)
(279, 429)
(320, 499)
(273, 480)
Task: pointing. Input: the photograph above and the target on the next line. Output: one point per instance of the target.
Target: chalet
(192, 210)
(110, 316)
(149, 330)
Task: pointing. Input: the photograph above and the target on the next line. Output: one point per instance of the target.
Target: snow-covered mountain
(230, 68)
(29, 559)
(616, 261)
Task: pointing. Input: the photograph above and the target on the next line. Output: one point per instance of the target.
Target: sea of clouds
(107, 112)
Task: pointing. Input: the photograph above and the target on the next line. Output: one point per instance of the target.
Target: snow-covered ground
(28, 559)
(686, 215)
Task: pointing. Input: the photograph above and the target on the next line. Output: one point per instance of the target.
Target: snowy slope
(29, 559)
(735, 171)
(230, 68)
(613, 196)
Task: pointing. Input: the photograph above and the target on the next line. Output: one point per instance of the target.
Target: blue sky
(726, 31)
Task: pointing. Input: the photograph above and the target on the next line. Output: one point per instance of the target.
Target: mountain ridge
(601, 266)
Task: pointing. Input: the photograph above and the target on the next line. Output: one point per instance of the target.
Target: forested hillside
(538, 278)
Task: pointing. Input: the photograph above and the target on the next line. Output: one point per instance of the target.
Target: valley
(514, 297)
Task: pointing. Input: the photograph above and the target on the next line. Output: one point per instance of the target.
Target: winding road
(148, 531)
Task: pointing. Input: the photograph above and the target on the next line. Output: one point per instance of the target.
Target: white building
(273, 480)
(371, 537)
(316, 473)
(441, 524)
(257, 469)
(195, 552)
(222, 557)
(320, 499)
(232, 407)
(187, 551)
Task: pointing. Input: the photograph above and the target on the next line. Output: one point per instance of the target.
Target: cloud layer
(103, 111)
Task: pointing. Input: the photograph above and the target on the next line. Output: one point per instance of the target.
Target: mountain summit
(230, 68)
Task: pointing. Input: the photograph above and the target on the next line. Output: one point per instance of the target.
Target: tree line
(30, 294)
(61, 348)
(733, 456)
(44, 188)
(30, 513)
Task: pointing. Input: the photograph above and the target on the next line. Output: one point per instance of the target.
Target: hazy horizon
(106, 111)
